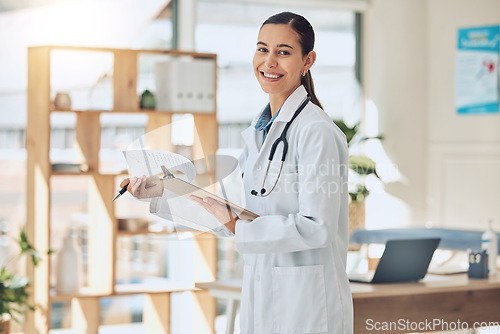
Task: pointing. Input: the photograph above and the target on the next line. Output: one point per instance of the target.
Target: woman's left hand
(220, 211)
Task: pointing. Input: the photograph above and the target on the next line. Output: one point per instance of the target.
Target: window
(230, 29)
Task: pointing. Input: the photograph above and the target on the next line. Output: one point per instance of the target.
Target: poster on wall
(476, 74)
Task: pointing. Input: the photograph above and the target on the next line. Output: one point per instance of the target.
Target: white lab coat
(295, 253)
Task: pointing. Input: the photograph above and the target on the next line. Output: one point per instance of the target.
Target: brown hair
(306, 38)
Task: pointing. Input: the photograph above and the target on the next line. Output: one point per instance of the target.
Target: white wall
(450, 163)
(464, 150)
(394, 77)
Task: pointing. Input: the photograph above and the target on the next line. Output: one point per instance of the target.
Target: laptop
(403, 260)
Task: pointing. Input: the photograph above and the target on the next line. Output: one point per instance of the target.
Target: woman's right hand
(145, 187)
(125, 182)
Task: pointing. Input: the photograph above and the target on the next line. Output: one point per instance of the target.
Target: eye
(284, 53)
(261, 50)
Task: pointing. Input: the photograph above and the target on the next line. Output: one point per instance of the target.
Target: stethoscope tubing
(280, 139)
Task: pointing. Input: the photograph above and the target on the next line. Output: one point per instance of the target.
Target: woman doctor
(295, 252)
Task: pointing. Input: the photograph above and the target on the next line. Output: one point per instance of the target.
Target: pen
(121, 192)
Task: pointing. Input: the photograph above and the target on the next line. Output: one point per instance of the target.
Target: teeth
(271, 76)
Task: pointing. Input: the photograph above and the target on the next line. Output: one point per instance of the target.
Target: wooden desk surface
(229, 285)
(446, 298)
(430, 284)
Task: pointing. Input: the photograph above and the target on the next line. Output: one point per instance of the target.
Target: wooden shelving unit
(103, 227)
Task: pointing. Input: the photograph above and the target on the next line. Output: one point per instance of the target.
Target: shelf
(137, 289)
(126, 290)
(133, 328)
(125, 233)
(89, 173)
(132, 111)
(174, 230)
(131, 51)
(102, 229)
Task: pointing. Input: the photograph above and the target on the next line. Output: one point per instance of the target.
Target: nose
(270, 60)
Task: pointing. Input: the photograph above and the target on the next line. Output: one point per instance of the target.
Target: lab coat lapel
(291, 104)
(250, 136)
(253, 140)
(257, 152)
(285, 115)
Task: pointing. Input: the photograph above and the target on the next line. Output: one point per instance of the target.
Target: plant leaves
(362, 165)
(27, 248)
(349, 132)
(13, 287)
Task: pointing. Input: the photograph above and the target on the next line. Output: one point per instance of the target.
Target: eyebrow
(279, 45)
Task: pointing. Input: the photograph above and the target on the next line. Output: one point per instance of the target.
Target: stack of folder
(185, 85)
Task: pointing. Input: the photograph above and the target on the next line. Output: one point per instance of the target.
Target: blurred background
(385, 69)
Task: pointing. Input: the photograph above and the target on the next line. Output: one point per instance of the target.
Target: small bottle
(489, 242)
(69, 265)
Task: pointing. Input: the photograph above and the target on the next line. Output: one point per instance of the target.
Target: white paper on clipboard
(149, 162)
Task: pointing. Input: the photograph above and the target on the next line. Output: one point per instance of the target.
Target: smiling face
(278, 61)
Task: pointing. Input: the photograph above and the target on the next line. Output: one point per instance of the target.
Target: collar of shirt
(265, 120)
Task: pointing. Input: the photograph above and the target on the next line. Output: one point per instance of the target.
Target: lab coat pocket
(287, 179)
(299, 300)
(245, 300)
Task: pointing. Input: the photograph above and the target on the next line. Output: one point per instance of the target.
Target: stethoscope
(281, 139)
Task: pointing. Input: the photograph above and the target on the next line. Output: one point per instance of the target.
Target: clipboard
(186, 189)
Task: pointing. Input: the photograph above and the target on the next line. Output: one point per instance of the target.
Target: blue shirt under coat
(265, 121)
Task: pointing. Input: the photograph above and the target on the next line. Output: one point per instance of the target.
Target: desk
(229, 290)
(445, 298)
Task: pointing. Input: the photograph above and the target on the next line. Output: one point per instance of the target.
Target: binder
(164, 85)
(197, 85)
(207, 82)
(170, 85)
(182, 78)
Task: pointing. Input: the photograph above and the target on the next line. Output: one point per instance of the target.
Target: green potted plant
(359, 164)
(13, 287)
(362, 166)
